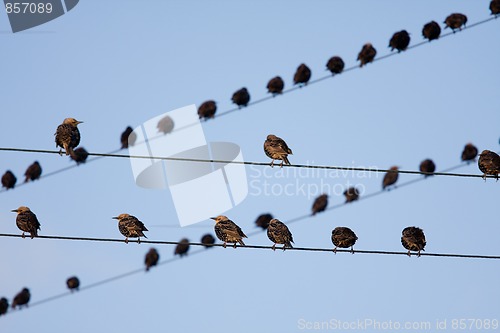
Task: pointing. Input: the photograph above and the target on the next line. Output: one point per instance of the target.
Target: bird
(351, 194)
(263, 220)
(73, 283)
(469, 153)
(128, 137)
(227, 231)
(399, 41)
(302, 75)
(207, 110)
(182, 247)
(455, 21)
(367, 54)
(68, 135)
(495, 7)
(79, 155)
(275, 86)
(335, 65)
(33, 172)
(279, 233)
(4, 306)
(130, 227)
(207, 240)
(431, 30)
(343, 237)
(427, 165)
(151, 258)
(22, 298)
(165, 125)
(27, 221)
(241, 97)
(277, 149)
(413, 239)
(391, 177)
(489, 163)
(9, 180)
(320, 204)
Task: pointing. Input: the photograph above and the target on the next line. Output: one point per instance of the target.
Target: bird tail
(289, 244)
(241, 242)
(285, 159)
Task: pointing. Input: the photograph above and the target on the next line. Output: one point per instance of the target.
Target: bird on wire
(455, 21)
(21, 299)
(489, 163)
(302, 75)
(319, 204)
(208, 240)
(207, 110)
(182, 248)
(241, 97)
(399, 41)
(351, 194)
(165, 125)
(73, 283)
(277, 149)
(33, 172)
(27, 221)
(275, 86)
(335, 65)
(79, 155)
(9, 180)
(343, 237)
(263, 220)
(128, 137)
(130, 227)
(278, 233)
(367, 54)
(428, 166)
(413, 239)
(151, 259)
(227, 231)
(68, 135)
(431, 30)
(391, 177)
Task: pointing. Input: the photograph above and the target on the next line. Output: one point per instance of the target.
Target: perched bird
(263, 220)
(68, 135)
(33, 172)
(207, 110)
(22, 298)
(207, 240)
(73, 283)
(26, 221)
(79, 155)
(455, 21)
(302, 75)
(335, 65)
(275, 85)
(182, 247)
(128, 137)
(413, 239)
(343, 237)
(320, 204)
(367, 54)
(227, 231)
(469, 153)
(277, 149)
(241, 97)
(9, 180)
(351, 194)
(431, 30)
(130, 227)
(4, 306)
(151, 258)
(489, 163)
(400, 41)
(495, 7)
(391, 177)
(427, 166)
(165, 125)
(279, 233)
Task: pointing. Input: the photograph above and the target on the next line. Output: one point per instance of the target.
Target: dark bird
(455, 21)
(391, 177)
(227, 231)
(130, 227)
(128, 137)
(68, 135)
(495, 7)
(241, 97)
(73, 283)
(9, 180)
(207, 110)
(469, 153)
(343, 237)
(400, 41)
(79, 155)
(26, 221)
(4, 306)
(207, 240)
(367, 54)
(22, 298)
(413, 239)
(489, 163)
(302, 75)
(151, 258)
(431, 30)
(279, 233)
(427, 166)
(165, 125)
(351, 194)
(263, 220)
(276, 85)
(320, 204)
(335, 65)
(33, 172)
(182, 247)
(277, 149)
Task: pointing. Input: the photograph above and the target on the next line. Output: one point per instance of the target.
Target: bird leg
(284, 247)
(335, 250)
(272, 164)
(409, 254)
(281, 165)
(224, 245)
(234, 245)
(138, 240)
(418, 255)
(126, 240)
(23, 235)
(274, 247)
(60, 151)
(352, 250)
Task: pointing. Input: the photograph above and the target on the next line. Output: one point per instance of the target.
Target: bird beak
(79, 122)
(213, 218)
(14, 211)
(116, 217)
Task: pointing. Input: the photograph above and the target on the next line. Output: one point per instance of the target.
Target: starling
(68, 135)
(4, 306)
(413, 239)
(343, 237)
(277, 149)
(22, 298)
(73, 283)
(489, 163)
(431, 30)
(400, 41)
(207, 110)
(455, 21)
(130, 226)
(227, 231)
(9, 180)
(367, 54)
(165, 125)
(182, 248)
(470, 152)
(79, 155)
(241, 97)
(495, 7)
(391, 177)
(275, 85)
(320, 204)
(335, 65)
(427, 166)
(151, 259)
(26, 221)
(33, 172)
(128, 137)
(351, 194)
(279, 233)
(207, 240)
(263, 220)
(302, 75)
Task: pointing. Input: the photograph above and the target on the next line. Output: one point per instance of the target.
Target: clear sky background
(118, 63)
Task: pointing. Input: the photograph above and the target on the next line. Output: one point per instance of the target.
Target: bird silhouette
(413, 239)
(431, 30)
(343, 237)
(367, 54)
(277, 149)
(275, 86)
(227, 231)
(207, 110)
(278, 233)
(489, 163)
(151, 258)
(68, 135)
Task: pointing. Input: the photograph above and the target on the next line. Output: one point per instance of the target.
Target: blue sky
(118, 63)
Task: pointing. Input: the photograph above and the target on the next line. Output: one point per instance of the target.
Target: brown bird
(343, 237)
(130, 227)
(391, 177)
(73, 283)
(207, 110)
(413, 239)
(455, 21)
(279, 233)
(4, 306)
(9, 180)
(351, 194)
(427, 166)
(22, 298)
(367, 54)
(495, 7)
(207, 240)
(68, 135)
(302, 75)
(165, 125)
(276, 85)
(489, 163)
(431, 30)
(469, 153)
(263, 220)
(400, 41)
(277, 149)
(182, 247)
(26, 221)
(151, 258)
(79, 155)
(33, 172)
(241, 97)
(128, 137)
(335, 65)
(320, 204)
(227, 231)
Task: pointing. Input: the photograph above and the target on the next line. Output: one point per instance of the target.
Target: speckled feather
(277, 149)
(413, 239)
(279, 233)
